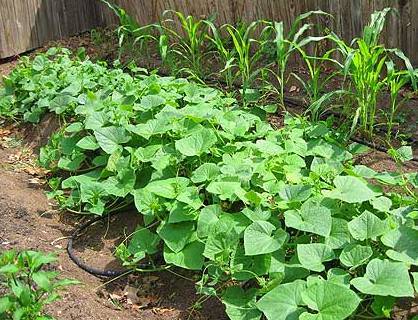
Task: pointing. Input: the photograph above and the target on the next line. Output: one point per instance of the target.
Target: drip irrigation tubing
(92, 270)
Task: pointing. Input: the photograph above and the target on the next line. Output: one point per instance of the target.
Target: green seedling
(27, 286)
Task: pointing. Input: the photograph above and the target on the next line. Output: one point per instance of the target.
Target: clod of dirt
(38, 134)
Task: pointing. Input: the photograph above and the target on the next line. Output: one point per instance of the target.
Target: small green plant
(319, 99)
(396, 80)
(247, 50)
(97, 37)
(284, 46)
(225, 52)
(26, 286)
(187, 45)
(365, 65)
(129, 31)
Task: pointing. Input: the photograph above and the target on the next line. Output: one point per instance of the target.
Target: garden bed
(251, 141)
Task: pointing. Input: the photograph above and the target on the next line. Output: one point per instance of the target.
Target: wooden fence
(26, 24)
(29, 24)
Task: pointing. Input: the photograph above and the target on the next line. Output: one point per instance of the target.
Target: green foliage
(129, 32)
(225, 53)
(27, 286)
(186, 48)
(221, 191)
(255, 56)
(287, 44)
(55, 81)
(364, 64)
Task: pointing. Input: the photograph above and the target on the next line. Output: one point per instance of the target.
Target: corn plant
(187, 45)
(247, 51)
(396, 80)
(129, 31)
(284, 47)
(364, 63)
(225, 53)
(315, 85)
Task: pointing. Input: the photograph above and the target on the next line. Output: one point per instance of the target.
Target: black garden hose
(94, 271)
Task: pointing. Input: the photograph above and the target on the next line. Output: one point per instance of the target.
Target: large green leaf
(208, 217)
(151, 101)
(295, 193)
(121, 184)
(240, 305)
(260, 239)
(339, 235)
(191, 197)
(351, 189)
(5, 304)
(146, 202)
(330, 300)
(404, 242)
(111, 138)
(283, 302)
(197, 143)
(319, 147)
(312, 255)
(151, 128)
(381, 203)
(225, 234)
(180, 212)
(190, 257)
(148, 153)
(144, 241)
(88, 143)
(226, 189)
(245, 267)
(168, 188)
(206, 172)
(385, 278)
(269, 148)
(367, 226)
(355, 254)
(177, 235)
(311, 217)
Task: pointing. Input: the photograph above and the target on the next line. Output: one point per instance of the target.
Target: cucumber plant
(279, 223)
